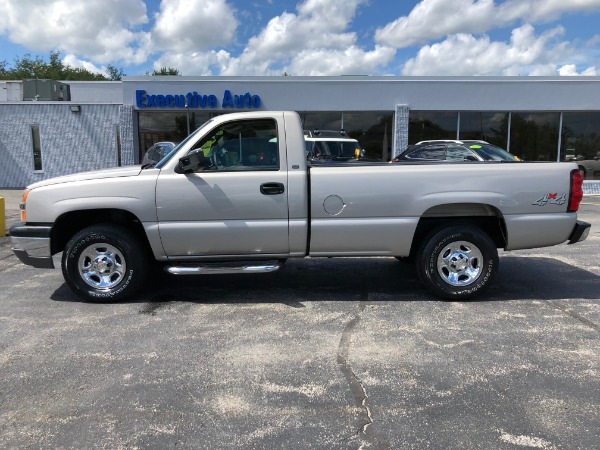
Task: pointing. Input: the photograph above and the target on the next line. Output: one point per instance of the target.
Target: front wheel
(458, 262)
(104, 263)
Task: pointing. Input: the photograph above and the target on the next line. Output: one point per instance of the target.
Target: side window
(242, 145)
(37, 148)
(456, 153)
(430, 153)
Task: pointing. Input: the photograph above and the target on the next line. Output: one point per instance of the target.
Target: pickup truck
(237, 196)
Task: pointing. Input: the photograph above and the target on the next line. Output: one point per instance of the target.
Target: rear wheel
(458, 262)
(104, 263)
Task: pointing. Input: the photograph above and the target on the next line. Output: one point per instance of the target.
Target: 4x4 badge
(552, 199)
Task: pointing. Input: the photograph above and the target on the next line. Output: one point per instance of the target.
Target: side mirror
(192, 162)
(470, 158)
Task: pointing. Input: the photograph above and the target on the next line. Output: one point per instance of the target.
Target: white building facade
(113, 123)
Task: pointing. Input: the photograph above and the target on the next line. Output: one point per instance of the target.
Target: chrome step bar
(226, 268)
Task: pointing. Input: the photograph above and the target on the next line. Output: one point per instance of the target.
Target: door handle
(272, 188)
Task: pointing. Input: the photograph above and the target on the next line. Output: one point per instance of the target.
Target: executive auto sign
(195, 100)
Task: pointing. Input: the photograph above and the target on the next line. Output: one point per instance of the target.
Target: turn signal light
(22, 205)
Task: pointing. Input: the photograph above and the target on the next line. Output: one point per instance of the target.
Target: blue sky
(310, 37)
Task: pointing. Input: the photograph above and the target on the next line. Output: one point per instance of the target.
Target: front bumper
(580, 232)
(31, 244)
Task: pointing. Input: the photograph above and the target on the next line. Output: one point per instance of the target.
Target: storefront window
(580, 142)
(491, 127)
(431, 125)
(327, 120)
(372, 129)
(167, 126)
(534, 135)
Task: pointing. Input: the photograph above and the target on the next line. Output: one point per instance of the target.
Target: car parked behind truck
(237, 196)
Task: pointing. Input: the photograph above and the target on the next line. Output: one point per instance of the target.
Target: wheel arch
(67, 224)
(484, 216)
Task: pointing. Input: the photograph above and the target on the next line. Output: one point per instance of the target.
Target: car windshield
(344, 149)
(492, 153)
(165, 160)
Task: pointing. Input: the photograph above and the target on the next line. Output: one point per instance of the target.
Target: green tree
(114, 74)
(3, 70)
(165, 71)
(29, 67)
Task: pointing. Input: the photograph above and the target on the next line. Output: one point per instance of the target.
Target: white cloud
(201, 64)
(434, 19)
(464, 54)
(202, 37)
(350, 61)
(73, 61)
(315, 41)
(194, 25)
(318, 24)
(545, 10)
(102, 30)
(571, 70)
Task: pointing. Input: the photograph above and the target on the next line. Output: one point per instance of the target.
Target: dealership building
(51, 128)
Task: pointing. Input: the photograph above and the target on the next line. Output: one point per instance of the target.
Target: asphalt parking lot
(327, 353)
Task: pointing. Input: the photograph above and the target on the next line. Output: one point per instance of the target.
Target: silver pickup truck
(237, 196)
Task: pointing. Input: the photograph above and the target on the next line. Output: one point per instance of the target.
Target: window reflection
(580, 142)
(534, 135)
(491, 127)
(323, 120)
(372, 129)
(167, 126)
(430, 125)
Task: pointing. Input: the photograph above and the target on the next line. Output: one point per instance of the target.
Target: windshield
(165, 160)
(492, 153)
(344, 149)
(332, 149)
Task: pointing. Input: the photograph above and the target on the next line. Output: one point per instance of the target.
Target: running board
(226, 268)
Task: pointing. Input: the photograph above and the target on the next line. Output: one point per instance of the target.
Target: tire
(104, 263)
(458, 262)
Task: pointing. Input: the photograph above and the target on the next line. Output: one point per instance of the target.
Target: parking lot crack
(574, 315)
(356, 385)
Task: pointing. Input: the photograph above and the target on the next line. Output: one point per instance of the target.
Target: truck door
(236, 206)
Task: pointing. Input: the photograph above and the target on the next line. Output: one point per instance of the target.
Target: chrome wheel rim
(460, 263)
(102, 266)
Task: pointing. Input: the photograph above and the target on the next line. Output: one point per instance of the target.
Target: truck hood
(128, 171)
